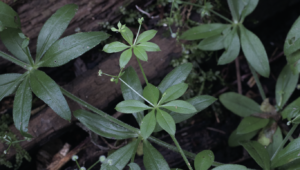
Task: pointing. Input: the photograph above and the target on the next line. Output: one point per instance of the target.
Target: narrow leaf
(127, 35)
(153, 160)
(25, 43)
(230, 167)
(146, 36)
(125, 57)
(204, 31)
(149, 46)
(148, 124)
(292, 110)
(236, 7)
(10, 87)
(134, 166)
(114, 47)
(292, 41)
(294, 165)
(204, 160)
(235, 139)
(180, 106)
(8, 78)
(151, 93)
(249, 8)
(276, 141)
(213, 43)
(140, 53)
(131, 106)
(250, 124)
(166, 121)
(8, 16)
(174, 92)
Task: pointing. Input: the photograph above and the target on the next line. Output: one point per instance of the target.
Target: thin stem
(94, 165)
(144, 75)
(171, 17)
(14, 60)
(136, 147)
(181, 152)
(261, 91)
(137, 35)
(285, 140)
(77, 164)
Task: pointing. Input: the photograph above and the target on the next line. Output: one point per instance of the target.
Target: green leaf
(102, 127)
(71, 47)
(146, 36)
(8, 16)
(204, 31)
(213, 43)
(54, 28)
(148, 124)
(8, 78)
(149, 46)
(285, 85)
(22, 107)
(292, 41)
(115, 47)
(232, 48)
(174, 92)
(250, 124)
(153, 160)
(236, 7)
(180, 106)
(140, 53)
(239, 104)
(131, 106)
(235, 139)
(204, 160)
(132, 79)
(1, 26)
(121, 157)
(13, 42)
(294, 165)
(47, 90)
(277, 139)
(249, 8)
(151, 93)
(288, 154)
(127, 35)
(259, 153)
(10, 87)
(292, 110)
(125, 57)
(25, 43)
(134, 166)
(230, 167)
(21, 35)
(178, 75)
(166, 121)
(255, 52)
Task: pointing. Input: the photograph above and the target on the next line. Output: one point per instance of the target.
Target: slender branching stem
(77, 164)
(94, 164)
(260, 88)
(141, 67)
(137, 35)
(181, 152)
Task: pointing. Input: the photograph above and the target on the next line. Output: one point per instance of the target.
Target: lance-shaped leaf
(249, 8)
(47, 90)
(285, 85)
(255, 52)
(134, 166)
(146, 36)
(180, 106)
(100, 126)
(294, 165)
(166, 121)
(13, 42)
(151, 93)
(125, 57)
(8, 78)
(9, 87)
(140, 53)
(250, 124)
(292, 110)
(292, 41)
(259, 153)
(276, 141)
(148, 124)
(236, 7)
(73, 46)
(153, 160)
(213, 43)
(121, 157)
(127, 35)
(54, 28)
(235, 139)
(132, 79)
(8, 16)
(239, 104)
(204, 31)
(131, 106)
(204, 160)
(115, 47)
(22, 107)
(178, 75)
(230, 167)
(149, 46)
(174, 92)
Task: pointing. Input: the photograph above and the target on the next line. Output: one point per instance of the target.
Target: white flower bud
(74, 157)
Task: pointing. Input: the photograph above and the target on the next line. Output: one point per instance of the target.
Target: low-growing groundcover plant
(154, 108)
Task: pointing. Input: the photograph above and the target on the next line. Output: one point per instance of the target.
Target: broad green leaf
(249, 8)
(140, 53)
(149, 46)
(8, 78)
(9, 87)
(292, 40)
(178, 75)
(125, 57)
(292, 110)
(134, 166)
(230, 167)
(235, 139)
(250, 124)
(153, 160)
(8, 16)
(146, 36)
(285, 85)
(47, 90)
(101, 126)
(148, 124)
(13, 42)
(213, 43)
(239, 104)
(132, 79)
(121, 157)
(127, 35)
(1, 26)
(288, 154)
(294, 165)
(54, 28)
(174, 92)
(232, 48)
(131, 106)
(71, 47)
(254, 51)
(180, 106)
(204, 160)
(277, 139)
(151, 93)
(204, 31)
(166, 121)
(22, 107)
(259, 153)
(236, 7)
(115, 47)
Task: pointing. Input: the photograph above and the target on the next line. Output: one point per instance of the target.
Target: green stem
(77, 164)
(29, 56)
(260, 88)
(135, 149)
(137, 35)
(171, 17)
(94, 165)
(14, 60)
(284, 141)
(181, 152)
(144, 75)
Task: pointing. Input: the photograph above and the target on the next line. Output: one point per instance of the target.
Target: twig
(111, 146)
(146, 13)
(238, 75)
(216, 130)
(275, 58)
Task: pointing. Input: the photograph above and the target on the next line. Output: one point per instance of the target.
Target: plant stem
(136, 147)
(261, 91)
(29, 56)
(144, 75)
(77, 164)
(137, 35)
(171, 17)
(181, 152)
(94, 165)
(285, 140)
(14, 60)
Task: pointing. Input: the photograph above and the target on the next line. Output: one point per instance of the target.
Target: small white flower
(74, 157)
